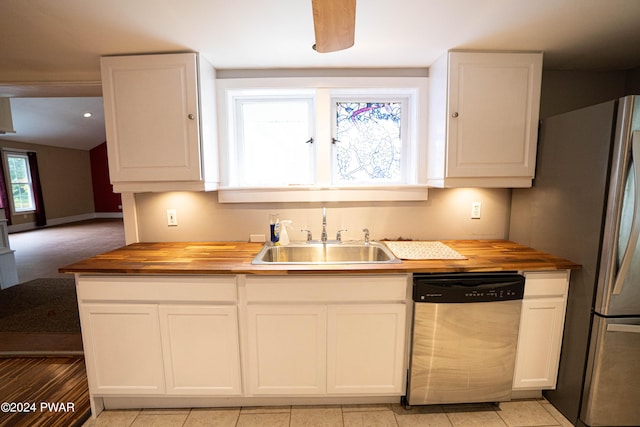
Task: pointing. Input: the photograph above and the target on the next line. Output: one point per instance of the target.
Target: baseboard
(167, 401)
(108, 215)
(63, 220)
(526, 394)
(41, 353)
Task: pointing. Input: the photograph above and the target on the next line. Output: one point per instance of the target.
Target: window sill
(322, 194)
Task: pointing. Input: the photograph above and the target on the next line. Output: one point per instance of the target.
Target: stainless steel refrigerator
(584, 206)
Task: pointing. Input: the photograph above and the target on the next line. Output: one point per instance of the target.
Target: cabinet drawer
(388, 287)
(157, 288)
(544, 284)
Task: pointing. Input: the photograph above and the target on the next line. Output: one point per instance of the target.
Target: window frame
(18, 154)
(408, 137)
(238, 176)
(324, 90)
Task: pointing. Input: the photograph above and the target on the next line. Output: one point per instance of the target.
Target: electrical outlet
(172, 218)
(475, 210)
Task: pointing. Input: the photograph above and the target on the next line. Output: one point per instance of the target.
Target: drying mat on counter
(422, 250)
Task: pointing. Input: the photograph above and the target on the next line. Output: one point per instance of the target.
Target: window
(373, 137)
(274, 141)
(20, 179)
(289, 136)
(368, 142)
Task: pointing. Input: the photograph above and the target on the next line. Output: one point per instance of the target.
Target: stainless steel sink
(327, 253)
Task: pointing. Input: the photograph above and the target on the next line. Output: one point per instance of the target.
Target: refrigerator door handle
(621, 327)
(635, 222)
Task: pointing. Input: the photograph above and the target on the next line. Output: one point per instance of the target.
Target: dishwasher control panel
(467, 288)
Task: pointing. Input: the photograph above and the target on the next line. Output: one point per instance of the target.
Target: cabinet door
(200, 348)
(122, 348)
(287, 349)
(365, 348)
(493, 114)
(539, 342)
(151, 115)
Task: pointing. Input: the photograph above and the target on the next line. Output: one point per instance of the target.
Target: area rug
(40, 306)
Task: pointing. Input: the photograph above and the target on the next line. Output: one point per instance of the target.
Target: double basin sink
(326, 253)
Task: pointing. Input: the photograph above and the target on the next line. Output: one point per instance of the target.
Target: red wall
(104, 199)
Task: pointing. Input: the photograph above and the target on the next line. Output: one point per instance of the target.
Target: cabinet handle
(634, 234)
(454, 115)
(191, 116)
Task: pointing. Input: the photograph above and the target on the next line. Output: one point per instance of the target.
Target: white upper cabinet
(483, 119)
(160, 122)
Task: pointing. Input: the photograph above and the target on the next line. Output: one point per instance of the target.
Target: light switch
(172, 218)
(475, 210)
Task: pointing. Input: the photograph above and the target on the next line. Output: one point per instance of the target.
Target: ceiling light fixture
(334, 24)
(87, 115)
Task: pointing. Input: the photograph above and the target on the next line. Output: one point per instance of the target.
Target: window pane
(275, 151)
(369, 145)
(22, 197)
(18, 169)
(21, 191)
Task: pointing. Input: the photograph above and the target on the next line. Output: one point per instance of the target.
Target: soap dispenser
(284, 236)
(274, 228)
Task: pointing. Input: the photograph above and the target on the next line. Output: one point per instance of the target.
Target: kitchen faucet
(323, 236)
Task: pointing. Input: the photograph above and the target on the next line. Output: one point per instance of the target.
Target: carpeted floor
(39, 253)
(41, 318)
(40, 305)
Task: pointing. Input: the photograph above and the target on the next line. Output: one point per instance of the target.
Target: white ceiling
(62, 40)
(58, 122)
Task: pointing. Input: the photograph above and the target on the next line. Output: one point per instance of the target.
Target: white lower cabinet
(151, 340)
(338, 335)
(287, 349)
(183, 340)
(254, 336)
(200, 349)
(122, 348)
(541, 330)
(365, 348)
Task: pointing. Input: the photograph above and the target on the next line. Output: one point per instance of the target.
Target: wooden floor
(43, 391)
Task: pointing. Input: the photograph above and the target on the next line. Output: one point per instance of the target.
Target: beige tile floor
(522, 413)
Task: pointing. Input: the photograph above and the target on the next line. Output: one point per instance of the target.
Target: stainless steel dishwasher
(465, 333)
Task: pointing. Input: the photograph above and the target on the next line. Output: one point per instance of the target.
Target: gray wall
(564, 91)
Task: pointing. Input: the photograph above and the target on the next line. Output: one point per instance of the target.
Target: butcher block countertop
(236, 257)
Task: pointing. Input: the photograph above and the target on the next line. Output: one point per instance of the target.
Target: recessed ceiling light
(87, 115)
